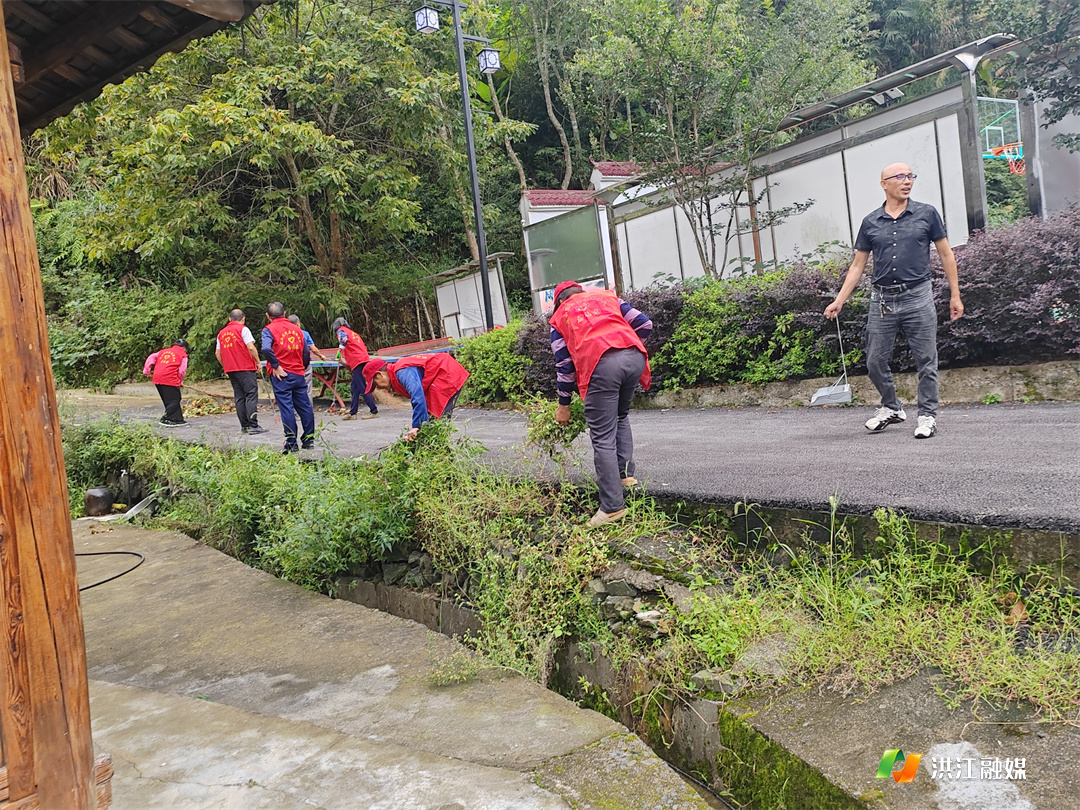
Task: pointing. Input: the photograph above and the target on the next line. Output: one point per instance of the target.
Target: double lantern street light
(427, 22)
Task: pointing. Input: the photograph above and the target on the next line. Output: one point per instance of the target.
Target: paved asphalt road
(1008, 465)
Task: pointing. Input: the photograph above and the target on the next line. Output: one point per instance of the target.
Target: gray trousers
(912, 310)
(607, 410)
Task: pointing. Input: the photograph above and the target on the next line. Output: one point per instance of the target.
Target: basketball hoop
(1014, 153)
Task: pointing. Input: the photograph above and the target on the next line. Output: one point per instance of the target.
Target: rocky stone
(717, 682)
(427, 570)
(394, 572)
(642, 580)
(680, 596)
(597, 589)
(617, 607)
(621, 587)
(649, 618)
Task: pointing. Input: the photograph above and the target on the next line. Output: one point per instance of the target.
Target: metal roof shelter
(960, 57)
(59, 53)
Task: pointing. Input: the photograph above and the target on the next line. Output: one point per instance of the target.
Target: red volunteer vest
(355, 351)
(591, 323)
(288, 345)
(443, 377)
(167, 366)
(234, 352)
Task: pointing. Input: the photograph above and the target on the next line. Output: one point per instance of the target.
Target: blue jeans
(291, 394)
(607, 412)
(912, 310)
(356, 389)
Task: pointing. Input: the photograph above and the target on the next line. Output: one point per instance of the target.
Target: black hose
(107, 553)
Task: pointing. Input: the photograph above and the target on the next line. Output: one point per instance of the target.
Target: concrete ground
(1010, 465)
(217, 686)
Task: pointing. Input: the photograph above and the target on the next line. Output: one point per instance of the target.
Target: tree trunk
(308, 218)
(506, 138)
(542, 60)
(337, 253)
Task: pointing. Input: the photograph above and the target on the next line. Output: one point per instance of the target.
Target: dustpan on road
(838, 393)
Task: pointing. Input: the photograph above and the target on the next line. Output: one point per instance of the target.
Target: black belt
(892, 289)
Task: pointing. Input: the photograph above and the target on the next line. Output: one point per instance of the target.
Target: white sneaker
(884, 417)
(927, 427)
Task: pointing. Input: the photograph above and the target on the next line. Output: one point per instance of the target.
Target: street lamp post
(427, 21)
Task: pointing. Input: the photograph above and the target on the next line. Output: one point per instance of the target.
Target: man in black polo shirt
(899, 235)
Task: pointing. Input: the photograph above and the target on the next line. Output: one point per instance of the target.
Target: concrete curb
(1037, 382)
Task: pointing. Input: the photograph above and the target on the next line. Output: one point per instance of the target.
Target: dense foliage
(1020, 285)
(1021, 290)
(516, 552)
(314, 154)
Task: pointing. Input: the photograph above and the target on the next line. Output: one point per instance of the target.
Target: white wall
(844, 182)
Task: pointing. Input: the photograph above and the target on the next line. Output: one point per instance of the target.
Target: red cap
(566, 285)
(370, 367)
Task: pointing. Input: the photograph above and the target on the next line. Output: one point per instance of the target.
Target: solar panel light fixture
(886, 98)
(427, 20)
(489, 61)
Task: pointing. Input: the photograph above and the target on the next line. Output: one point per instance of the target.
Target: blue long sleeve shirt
(412, 380)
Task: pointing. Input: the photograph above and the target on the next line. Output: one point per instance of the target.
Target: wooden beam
(27, 13)
(18, 69)
(129, 40)
(79, 33)
(155, 16)
(37, 555)
(47, 114)
(224, 10)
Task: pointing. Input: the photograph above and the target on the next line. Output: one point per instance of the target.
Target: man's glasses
(903, 177)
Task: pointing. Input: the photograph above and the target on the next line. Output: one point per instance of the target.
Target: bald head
(894, 169)
(275, 309)
(896, 181)
(236, 315)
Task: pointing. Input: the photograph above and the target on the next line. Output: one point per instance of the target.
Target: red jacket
(443, 377)
(288, 345)
(234, 352)
(354, 352)
(167, 366)
(591, 323)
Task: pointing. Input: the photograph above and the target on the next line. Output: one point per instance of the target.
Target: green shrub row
(1020, 284)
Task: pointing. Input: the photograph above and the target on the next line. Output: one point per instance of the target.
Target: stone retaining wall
(1036, 382)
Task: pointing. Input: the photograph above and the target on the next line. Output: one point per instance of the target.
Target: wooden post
(45, 708)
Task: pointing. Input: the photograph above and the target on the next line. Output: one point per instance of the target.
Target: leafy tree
(708, 83)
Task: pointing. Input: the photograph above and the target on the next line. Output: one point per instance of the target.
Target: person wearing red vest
(235, 350)
(432, 383)
(599, 344)
(169, 367)
(287, 356)
(354, 355)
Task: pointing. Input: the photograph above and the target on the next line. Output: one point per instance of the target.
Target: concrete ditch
(798, 747)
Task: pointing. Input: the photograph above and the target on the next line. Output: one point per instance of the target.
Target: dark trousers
(356, 388)
(290, 393)
(170, 398)
(913, 311)
(245, 388)
(607, 412)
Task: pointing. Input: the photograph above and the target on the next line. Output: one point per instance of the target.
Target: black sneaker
(290, 448)
(255, 429)
(166, 423)
(307, 446)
